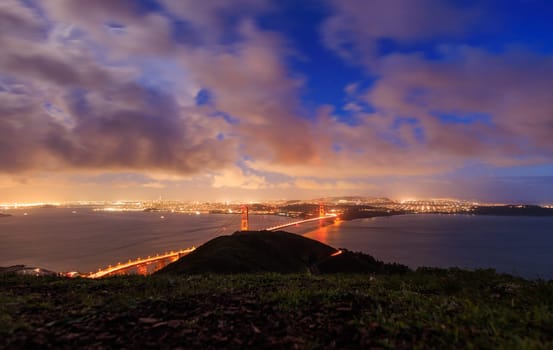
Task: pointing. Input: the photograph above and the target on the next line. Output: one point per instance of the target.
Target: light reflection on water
(322, 231)
(515, 245)
(61, 240)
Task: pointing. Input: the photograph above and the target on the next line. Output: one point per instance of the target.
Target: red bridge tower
(244, 223)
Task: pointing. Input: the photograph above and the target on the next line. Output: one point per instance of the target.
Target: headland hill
(278, 290)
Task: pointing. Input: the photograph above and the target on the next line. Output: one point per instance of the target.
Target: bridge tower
(322, 212)
(244, 223)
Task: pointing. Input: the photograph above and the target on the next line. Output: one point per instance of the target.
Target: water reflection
(515, 245)
(324, 230)
(60, 240)
(320, 234)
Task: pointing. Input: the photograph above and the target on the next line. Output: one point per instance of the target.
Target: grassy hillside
(441, 309)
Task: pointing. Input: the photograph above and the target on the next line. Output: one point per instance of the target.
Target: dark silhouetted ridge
(253, 251)
(354, 262)
(281, 252)
(513, 210)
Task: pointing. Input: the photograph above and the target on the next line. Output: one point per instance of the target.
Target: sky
(249, 100)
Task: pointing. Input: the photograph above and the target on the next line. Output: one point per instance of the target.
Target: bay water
(80, 239)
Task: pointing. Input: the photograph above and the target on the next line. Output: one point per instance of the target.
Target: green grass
(428, 308)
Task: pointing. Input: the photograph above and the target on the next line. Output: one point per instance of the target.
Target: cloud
(19, 20)
(214, 21)
(85, 108)
(250, 82)
(151, 133)
(511, 89)
(315, 184)
(154, 185)
(111, 86)
(428, 116)
(236, 177)
(7, 181)
(64, 107)
(355, 25)
(124, 27)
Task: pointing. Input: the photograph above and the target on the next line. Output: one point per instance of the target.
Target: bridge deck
(134, 263)
(274, 228)
(171, 255)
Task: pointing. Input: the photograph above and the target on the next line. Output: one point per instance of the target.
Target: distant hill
(513, 210)
(281, 252)
(366, 211)
(25, 270)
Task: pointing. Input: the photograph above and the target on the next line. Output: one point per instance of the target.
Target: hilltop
(280, 252)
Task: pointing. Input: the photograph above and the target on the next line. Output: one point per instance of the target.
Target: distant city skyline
(250, 100)
(324, 200)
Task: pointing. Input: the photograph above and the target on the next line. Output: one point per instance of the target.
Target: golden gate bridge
(150, 264)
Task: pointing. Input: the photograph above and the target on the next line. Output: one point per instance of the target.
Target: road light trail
(135, 263)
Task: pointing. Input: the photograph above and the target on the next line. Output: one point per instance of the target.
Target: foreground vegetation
(428, 308)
